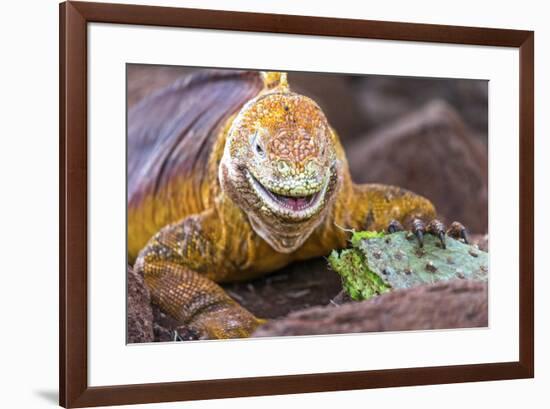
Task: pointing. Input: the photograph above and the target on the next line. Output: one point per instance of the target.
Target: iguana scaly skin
(232, 176)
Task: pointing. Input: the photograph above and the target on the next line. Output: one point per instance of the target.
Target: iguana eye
(258, 146)
(260, 150)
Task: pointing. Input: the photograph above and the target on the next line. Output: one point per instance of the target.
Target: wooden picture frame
(73, 335)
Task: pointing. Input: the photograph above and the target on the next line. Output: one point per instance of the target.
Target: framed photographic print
(258, 204)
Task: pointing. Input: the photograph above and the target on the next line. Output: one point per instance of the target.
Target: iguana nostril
(283, 167)
(312, 167)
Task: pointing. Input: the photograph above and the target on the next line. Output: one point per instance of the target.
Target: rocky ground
(139, 311)
(445, 305)
(309, 289)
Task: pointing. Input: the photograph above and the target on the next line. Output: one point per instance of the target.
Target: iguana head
(279, 164)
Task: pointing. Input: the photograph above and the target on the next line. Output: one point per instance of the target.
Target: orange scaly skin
(277, 189)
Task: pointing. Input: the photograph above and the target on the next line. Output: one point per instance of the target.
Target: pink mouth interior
(294, 203)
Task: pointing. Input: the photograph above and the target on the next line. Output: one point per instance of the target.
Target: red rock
(139, 313)
(453, 304)
(430, 152)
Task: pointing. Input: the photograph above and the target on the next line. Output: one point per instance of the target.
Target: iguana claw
(394, 227)
(434, 227)
(458, 231)
(184, 334)
(418, 228)
(437, 228)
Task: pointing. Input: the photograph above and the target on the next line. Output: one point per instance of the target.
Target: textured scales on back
(170, 139)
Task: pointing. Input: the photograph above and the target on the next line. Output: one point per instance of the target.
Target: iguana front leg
(384, 207)
(178, 265)
(375, 207)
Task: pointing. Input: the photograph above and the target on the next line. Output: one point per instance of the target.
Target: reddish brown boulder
(383, 99)
(139, 312)
(456, 304)
(430, 152)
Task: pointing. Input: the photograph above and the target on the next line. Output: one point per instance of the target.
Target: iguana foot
(184, 334)
(230, 321)
(435, 227)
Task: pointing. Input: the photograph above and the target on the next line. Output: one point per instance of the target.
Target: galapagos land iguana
(231, 175)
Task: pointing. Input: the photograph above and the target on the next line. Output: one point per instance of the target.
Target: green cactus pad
(378, 262)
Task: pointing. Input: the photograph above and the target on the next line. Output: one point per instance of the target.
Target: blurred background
(428, 135)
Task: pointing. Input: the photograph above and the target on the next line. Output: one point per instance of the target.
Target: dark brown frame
(73, 383)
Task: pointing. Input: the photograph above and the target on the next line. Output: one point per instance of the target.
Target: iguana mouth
(293, 203)
(297, 207)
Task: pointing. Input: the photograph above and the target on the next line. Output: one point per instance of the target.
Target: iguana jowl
(231, 176)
